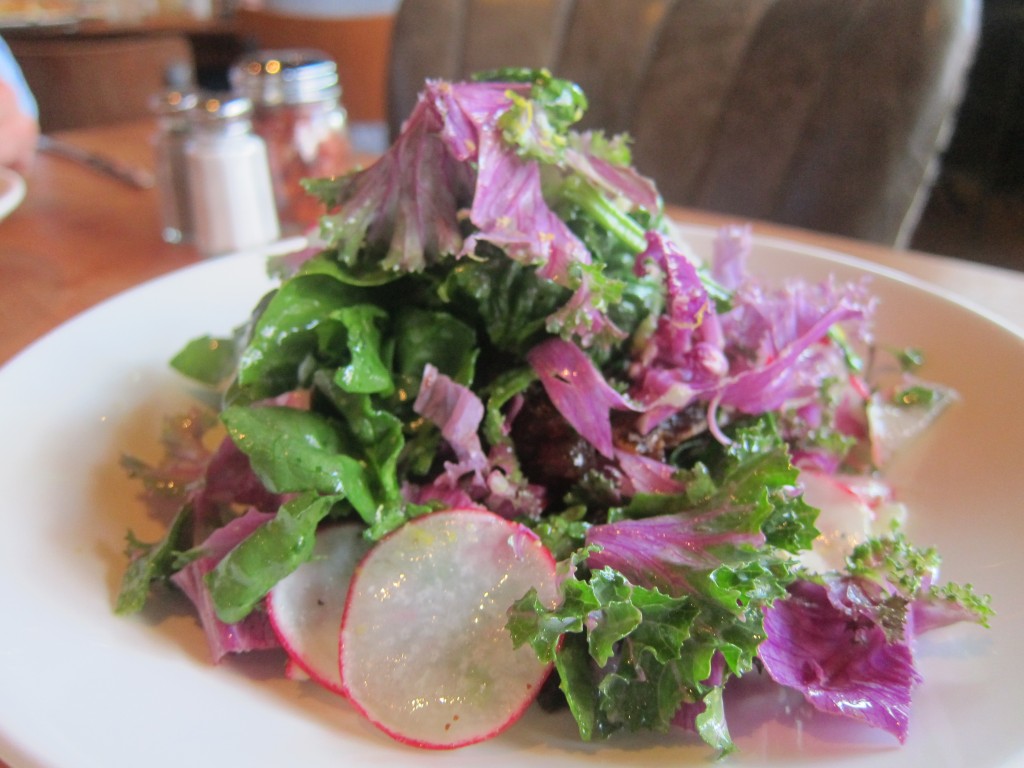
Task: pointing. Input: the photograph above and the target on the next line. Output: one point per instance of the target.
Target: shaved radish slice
(425, 654)
(894, 424)
(305, 608)
(851, 510)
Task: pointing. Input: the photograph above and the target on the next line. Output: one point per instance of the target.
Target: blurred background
(976, 209)
(91, 61)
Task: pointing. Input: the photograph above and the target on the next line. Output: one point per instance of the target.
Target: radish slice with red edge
(851, 510)
(305, 607)
(425, 653)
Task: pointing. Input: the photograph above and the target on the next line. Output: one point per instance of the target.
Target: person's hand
(18, 132)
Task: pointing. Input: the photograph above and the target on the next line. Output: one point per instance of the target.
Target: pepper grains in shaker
(298, 113)
(229, 177)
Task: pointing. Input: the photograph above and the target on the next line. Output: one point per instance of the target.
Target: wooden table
(80, 238)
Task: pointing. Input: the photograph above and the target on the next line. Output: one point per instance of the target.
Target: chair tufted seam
(699, 183)
(462, 22)
(651, 50)
(562, 36)
(843, 43)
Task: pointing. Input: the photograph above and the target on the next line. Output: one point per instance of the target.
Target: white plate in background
(12, 191)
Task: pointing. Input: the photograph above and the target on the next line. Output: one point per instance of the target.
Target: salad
(497, 437)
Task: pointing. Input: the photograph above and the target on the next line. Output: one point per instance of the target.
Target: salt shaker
(229, 178)
(171, 109)
(298, 112)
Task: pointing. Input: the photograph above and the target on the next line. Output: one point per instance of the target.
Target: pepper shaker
(171, 108)
(297, 111)
(229, 177)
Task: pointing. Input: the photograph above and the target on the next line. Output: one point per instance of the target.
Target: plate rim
(834, 254)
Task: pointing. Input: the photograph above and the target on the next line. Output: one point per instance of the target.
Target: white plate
(12, 191)
(81, 687)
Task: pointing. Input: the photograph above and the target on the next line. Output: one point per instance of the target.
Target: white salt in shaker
(229, 177)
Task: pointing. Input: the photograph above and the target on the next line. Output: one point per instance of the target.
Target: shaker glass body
(304, 141)
(172, 108)
(172, 180)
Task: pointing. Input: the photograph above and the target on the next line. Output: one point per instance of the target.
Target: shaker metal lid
(214, 110)
(173, 102)
(179, 94)
(286, 76)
